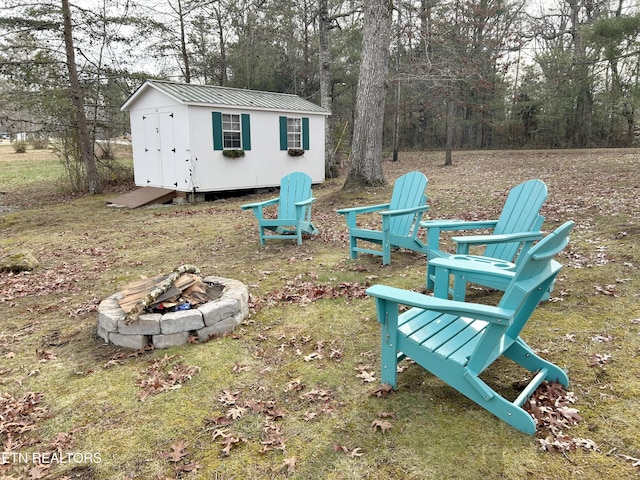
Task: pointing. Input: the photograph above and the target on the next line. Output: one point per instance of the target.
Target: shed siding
(262, 166)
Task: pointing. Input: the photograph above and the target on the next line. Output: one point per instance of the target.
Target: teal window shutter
(216, 118)
(305, 133)
(246, 132)
(283, 133)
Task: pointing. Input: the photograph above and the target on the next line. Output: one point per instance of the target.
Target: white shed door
(159, 150)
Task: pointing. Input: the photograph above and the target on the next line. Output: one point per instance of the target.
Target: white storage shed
(203, 138)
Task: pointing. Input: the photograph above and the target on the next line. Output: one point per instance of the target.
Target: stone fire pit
(171, 329)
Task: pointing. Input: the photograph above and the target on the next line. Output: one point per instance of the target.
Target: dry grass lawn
(291, 394)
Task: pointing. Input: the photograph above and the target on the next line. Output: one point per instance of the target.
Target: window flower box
(295, 152)
(233, 153)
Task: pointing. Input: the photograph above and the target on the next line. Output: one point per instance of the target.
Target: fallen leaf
(275, 413)
(635, 462)
(367, 376)
(308, 416)
(237, 368)
(228, 397)
(383, 425)
(177, 453)
(386, 415)
(294, 385)
(191, 467)
(312, 356)
(219, 432)
(236, 412)
(290, 463)
(356, 452)
(159, 379)
(601, 338)
(382, 391)
(38, 471)
(230, 441)
(256, 406)
(335, 354)
(600, 360)
(316, 395)
(45, 355)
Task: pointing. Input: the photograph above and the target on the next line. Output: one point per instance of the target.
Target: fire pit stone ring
(164, 330)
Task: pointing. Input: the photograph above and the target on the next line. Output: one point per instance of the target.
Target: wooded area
(474, 74)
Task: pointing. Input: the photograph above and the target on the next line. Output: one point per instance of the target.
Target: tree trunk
(220, 25)
(448, 160)
(84, 138)
(326, 97)
(183, 44)
(583, 118)
(366, 149)
(396, 104)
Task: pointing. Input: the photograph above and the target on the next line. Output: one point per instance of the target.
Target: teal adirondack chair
(513, 233)
(400, 220)
(294, 210)
(457, 341)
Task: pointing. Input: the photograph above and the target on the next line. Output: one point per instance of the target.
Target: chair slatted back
(294, 187)
(521, 213)
(533, 277)
(408, 192)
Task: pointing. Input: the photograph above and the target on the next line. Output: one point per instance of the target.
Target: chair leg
(459, 288)
(389, 342)
(386, 255)
(441, 284)
(353, 243)
(430, 276)
(389, 364)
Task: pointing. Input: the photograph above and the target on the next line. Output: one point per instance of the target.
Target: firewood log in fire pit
(182, 286)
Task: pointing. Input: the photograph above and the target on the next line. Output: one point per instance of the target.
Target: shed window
(294, 133)
(231, 131)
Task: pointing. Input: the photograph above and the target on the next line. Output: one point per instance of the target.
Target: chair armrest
(368, 209)
(351, 213)
(458, 224)
(435, 227)
(487, 313)
(502, 238)
(463, 243)
(404, 211)
(305, 202)
(260, 204)
(461, 264)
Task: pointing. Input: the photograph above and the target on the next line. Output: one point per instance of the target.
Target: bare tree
(186, 68)
(325, 23)
(366, 148)
(84, 137)
(326, 98)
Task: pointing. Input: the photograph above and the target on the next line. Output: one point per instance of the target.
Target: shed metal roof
(210, 95)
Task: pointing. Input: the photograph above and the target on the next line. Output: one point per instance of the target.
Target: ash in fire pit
(167, 310)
